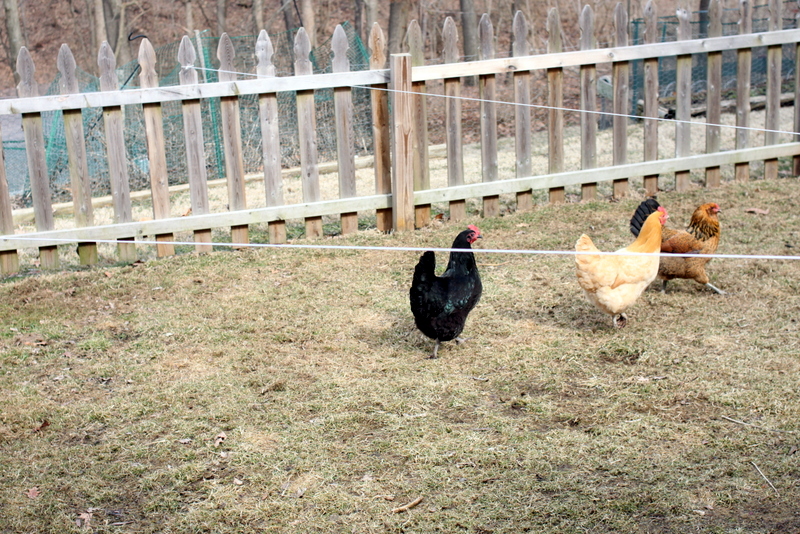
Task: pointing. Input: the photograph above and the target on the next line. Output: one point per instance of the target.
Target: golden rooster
(700, 237)
(613, 283)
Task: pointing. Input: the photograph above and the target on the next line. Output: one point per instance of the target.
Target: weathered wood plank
(372, 77)
(76, 150)
(796, 159)
(402, 144)
(195, 150)
(154, 127)
(422, 179)
(487, 85)
(270, 136)
(714, 93)
(651, 98)
(588, 75)
(381, 130)
(343, 108)
(452, 118)
(232, 138)
(37, 163)
(683, 101)
(307, 128)
(555, 99)
(522, 111)
(332, 207)
(9, 259)
(773, 109)
(114, 124)
(743, 72)
(620, 75)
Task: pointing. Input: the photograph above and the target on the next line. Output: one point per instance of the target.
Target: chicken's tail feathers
(640, 215)
(425, 270)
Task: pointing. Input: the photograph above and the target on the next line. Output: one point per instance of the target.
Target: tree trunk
(258, 15)
(308, 21)
(358, 17)
(370, 14)
(469, 29)
(14, 29)
(222, 10)
(99, 33)
(290, 15)
(398, 21)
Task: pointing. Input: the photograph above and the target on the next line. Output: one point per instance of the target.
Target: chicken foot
(620, 320)
(718, 290)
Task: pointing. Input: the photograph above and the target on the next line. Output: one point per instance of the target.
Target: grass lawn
(270, 390)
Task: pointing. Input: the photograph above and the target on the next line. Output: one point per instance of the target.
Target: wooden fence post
(422, 178)
(154, 126)
(270, 137)
(683, 101)
(232, 138)
(195, 149)
(555, 101)
(402, 143)
(452, 118)
(487, 84)
(772, 119)
(714, 93)
(343, 108)
(114, 124)
(37, 163)
(620, 75)
(307, 129)
(588, 75)
(522, 111)
(796, 138)
(743, 71)
(380, 127)
(76, 150)
(651, 99)
(9, 259)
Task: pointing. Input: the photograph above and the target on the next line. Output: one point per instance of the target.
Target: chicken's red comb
(473, 228)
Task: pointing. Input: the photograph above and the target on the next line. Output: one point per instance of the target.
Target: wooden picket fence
(403, 195)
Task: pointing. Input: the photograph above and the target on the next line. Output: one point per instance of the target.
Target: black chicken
(440, 304)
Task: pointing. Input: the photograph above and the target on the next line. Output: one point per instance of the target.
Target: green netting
(167, 69)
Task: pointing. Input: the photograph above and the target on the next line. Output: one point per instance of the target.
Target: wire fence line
(314, 246)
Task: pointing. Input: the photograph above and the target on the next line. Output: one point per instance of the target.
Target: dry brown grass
(546, 420)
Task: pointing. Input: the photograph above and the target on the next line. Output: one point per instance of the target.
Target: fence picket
(37, 163)
(270, 137)
(619, 79)
(743, 71)
(195, 150)
(9, 259)
(588, 75)
(452, 117)
(307, 129)
(379, 99)
(487, 84)
(522, 112)
(714, 93)
(651, 98)
(555, 99)
(154, 126)
(343, 106)
(422, 179)
(683, 101)
(796, 159)
(114, 124)
(232, 138)
(773, 105)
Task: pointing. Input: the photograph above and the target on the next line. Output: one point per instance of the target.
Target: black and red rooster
(440, 304)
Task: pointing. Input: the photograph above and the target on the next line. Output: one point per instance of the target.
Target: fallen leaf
(84, 519)
(108, 274)
(44, 425)
(185, 441)
(219, 439)
(33, 493)
(237, 482)
(187, 212)
(757, 211)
